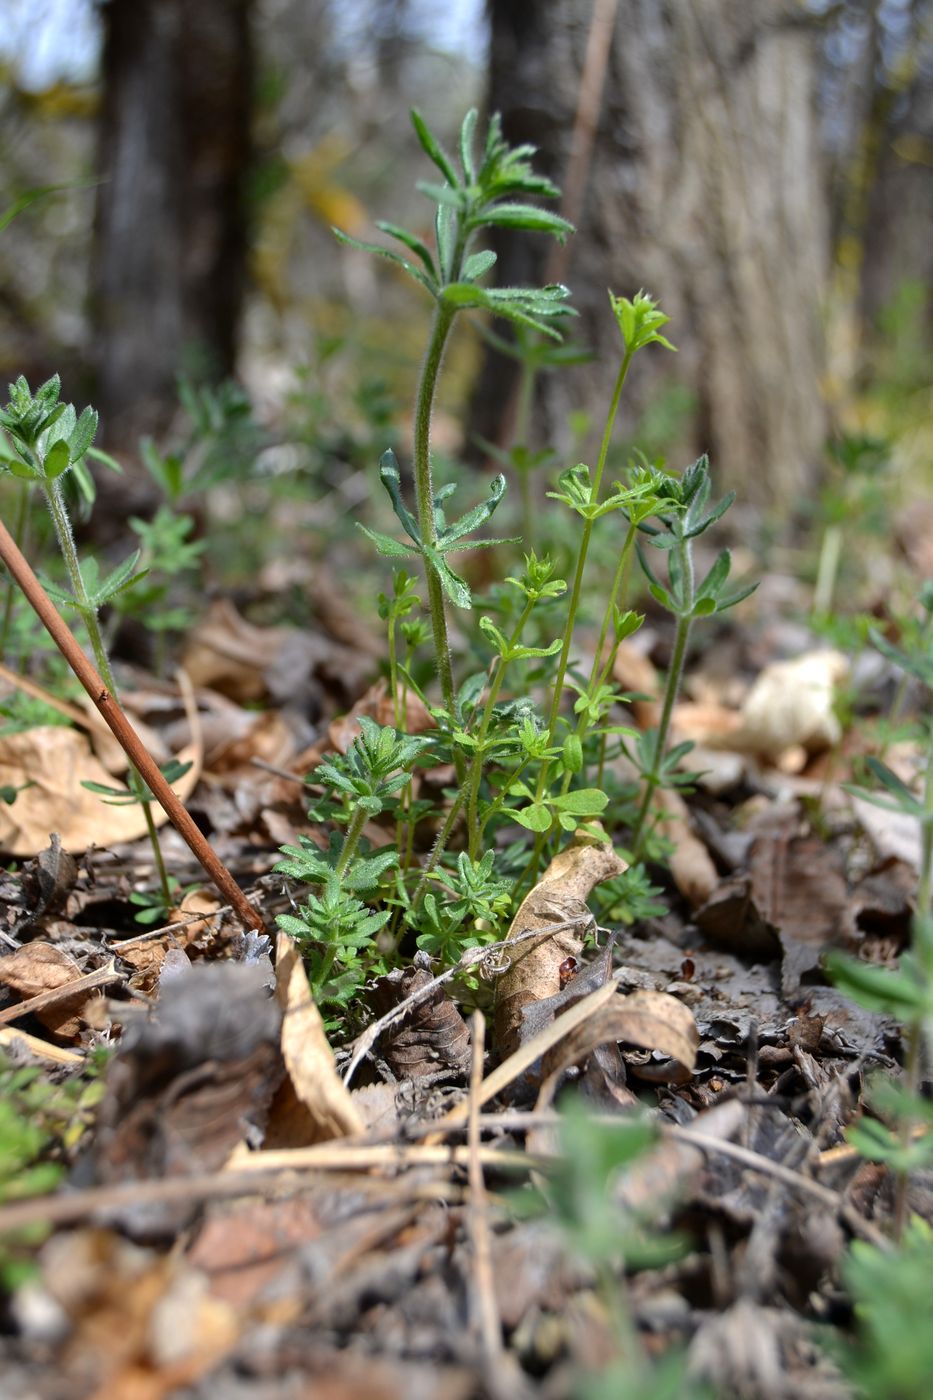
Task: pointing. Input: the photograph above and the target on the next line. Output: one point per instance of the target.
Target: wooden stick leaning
(122, 730)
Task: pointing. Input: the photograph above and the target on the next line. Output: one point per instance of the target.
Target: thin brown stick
(532, 1050)
(484, 1306)
(249, 1179)
(123, 731)
(101, 978)
(16, 1039)
(794, 1179)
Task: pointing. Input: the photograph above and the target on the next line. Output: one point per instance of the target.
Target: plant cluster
(530, 738)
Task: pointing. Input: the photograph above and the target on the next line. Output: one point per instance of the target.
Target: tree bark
(704, 189)
(170, 238)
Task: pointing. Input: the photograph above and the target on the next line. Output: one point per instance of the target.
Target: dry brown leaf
(559, 898)
(41, 967)
(140, 1326)
(56, 761)
(329, 1111)
(230, 654)
(652, 1020)
(432, 1036)
(692, 866)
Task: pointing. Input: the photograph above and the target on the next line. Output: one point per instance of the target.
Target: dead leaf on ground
(142, 1327)
(793, 897)
(634, 673)
(692, 866)
(558, 898)
(243, 1246)
(314, 1105)
(653, 1020)
(55, 762)
(431, 1037)
(41, 967)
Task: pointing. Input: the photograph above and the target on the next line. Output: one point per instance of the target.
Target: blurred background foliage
(764, 166)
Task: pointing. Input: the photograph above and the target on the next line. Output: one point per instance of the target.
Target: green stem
(19, 532)
(575, 603)
(440, 845)
(671, 691)
(66, 543)
(520, 438)
(601, 668)
(424, 497)
(476, 767)
(581, 562)
(351, 840)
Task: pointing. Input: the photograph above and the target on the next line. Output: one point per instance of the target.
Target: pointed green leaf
(386, 545)
(433, 148)
(475, 517)
(522, 216)
(391, 478)
(410, 241)
(389, 255)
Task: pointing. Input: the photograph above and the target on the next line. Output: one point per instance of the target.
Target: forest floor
(227, 1205)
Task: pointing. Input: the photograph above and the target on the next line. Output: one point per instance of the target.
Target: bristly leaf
(391, 479)
(523, 216)
(433, 149)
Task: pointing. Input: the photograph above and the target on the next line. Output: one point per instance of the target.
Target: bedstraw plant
(529, 739)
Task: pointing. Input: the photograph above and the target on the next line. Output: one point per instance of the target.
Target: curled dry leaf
(787, 714)
(652, 1020)
(319, 1106)
(432, 1036)
(556, 905)
(55, 762)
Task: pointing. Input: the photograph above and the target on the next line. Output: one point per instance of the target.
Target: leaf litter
(252, 1213)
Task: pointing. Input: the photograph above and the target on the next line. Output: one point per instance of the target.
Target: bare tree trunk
(170, 247)
(704, 189)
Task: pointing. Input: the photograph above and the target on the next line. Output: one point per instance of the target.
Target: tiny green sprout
(640, 322)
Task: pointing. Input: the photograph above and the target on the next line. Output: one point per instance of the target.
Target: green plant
(892, 1355)
(45, 440)
(611, 1241)
(334, 927)
(40, 1125)
(854, 499)
(490, 194)
(688, 517)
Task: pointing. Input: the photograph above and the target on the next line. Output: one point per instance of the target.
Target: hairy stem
(424, 497)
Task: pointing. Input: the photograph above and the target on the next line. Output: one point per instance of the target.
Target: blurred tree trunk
(170, 239)
(705, 189)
